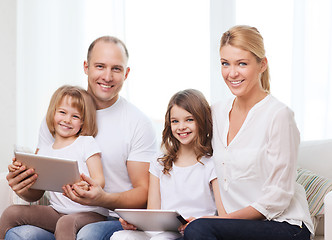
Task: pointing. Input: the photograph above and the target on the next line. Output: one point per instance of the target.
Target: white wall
(7, 81)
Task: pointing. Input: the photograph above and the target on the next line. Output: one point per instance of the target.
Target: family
(229, 169)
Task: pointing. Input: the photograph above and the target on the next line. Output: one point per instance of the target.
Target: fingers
(89, 180)
(21, 180)
(127, 226)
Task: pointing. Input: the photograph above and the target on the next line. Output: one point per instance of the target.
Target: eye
(174, 121)
(76, 117)
(99, 66)
(117, 69)
(242, 64)
(190, 120)
(224, 64)
(61, 112)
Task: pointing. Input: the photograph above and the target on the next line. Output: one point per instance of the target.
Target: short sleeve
(90, 147)
(45, 138)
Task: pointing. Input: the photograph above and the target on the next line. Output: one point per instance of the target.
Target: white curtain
(52, 41)
(312, 68)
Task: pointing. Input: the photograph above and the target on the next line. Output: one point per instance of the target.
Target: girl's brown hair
(194, 102)
(249, 39)
(80, 100)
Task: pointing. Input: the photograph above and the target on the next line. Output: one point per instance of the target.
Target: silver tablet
(151, 219)
(53, 173)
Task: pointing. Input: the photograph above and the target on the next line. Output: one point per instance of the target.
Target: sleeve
(143, 144)
(45, 138)
(155, 167)
(210, 169)
(90, 147)
(282, 149)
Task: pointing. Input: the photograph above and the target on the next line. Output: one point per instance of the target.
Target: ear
(263, 65)
(127, 72)
(86, 67)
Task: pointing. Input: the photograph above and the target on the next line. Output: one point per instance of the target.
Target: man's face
(107, 70)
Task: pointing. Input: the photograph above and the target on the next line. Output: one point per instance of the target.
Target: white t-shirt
(80, 150)
(124, 134)
(187, 189)
(258, 168)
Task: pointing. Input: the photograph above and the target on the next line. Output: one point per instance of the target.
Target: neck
(244, 103)
(61, 142)
(186, 156)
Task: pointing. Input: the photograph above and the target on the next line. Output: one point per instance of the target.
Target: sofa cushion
(316, 187)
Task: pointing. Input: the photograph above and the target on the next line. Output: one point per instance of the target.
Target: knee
(193, 229)
(66, 221)
(12, 212)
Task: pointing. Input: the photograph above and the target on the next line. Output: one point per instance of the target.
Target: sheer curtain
(174, 45)
(52, 42)
(298, 42)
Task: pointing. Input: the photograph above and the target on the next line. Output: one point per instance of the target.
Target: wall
(7, 81)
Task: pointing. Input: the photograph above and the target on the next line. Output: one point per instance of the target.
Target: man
(125, 136)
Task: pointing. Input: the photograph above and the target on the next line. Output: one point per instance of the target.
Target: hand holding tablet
(53, 173)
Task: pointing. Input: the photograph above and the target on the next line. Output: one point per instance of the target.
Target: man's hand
(127, 226)
(91, 196)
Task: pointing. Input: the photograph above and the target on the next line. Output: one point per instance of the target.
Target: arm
(96, 196)
(217, 197)
(154, 201)
(96, 169)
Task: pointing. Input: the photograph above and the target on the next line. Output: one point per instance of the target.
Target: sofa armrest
(6, 193)
(328, 216)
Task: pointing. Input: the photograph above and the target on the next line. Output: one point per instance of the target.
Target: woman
(255, 142)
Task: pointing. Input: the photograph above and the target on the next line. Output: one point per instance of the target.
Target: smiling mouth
(236, 82)
(106, 86)
(184, 134)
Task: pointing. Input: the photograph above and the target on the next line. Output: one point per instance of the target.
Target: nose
(108, 76)
(182, 126)
(233, 73)
(67, 118)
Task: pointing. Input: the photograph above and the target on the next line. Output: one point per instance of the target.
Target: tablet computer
(53, 173)
(152, 219)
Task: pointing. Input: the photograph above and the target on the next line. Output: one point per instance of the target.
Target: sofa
(314, 173)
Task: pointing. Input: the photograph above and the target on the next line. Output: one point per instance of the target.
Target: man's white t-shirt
(124, 134)
(187, 189)
(80, 150)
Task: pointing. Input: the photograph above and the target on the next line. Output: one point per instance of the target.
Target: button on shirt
(258, 168)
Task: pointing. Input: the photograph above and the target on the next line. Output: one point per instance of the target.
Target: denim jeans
(239, 229)
(100, 230)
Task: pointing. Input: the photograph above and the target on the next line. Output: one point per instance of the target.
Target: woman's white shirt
(258, 167)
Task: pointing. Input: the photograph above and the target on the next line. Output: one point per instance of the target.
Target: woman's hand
(127, 226)
(183, 227)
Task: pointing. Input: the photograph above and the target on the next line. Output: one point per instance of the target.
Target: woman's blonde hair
(80, 100)
(249, 39)
(194, 102)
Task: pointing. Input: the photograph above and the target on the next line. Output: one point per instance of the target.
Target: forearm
(246, 213)
(134, 198)
(31, 195)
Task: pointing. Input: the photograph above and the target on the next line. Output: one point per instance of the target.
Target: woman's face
(241, 71)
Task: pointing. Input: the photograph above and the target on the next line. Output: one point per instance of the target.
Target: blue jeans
(99, 230)
(239, 229)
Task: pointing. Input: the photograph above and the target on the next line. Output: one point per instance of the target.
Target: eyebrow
(239, 60)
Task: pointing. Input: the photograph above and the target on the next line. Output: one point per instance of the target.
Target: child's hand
(82, 185)
(182, 227)
(14, 166)
(127, 226)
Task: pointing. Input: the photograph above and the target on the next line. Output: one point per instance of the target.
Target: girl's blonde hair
(194, 102)
(249, 39)
(80, 100)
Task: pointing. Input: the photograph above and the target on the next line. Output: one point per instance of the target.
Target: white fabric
(258, 165)
(80, 150)
(124, 133)
(187, 189)
(139, 235)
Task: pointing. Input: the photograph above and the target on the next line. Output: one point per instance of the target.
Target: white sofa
(314, 157)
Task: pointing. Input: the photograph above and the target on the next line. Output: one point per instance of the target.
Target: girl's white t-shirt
(187, 189)
(80, 150)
